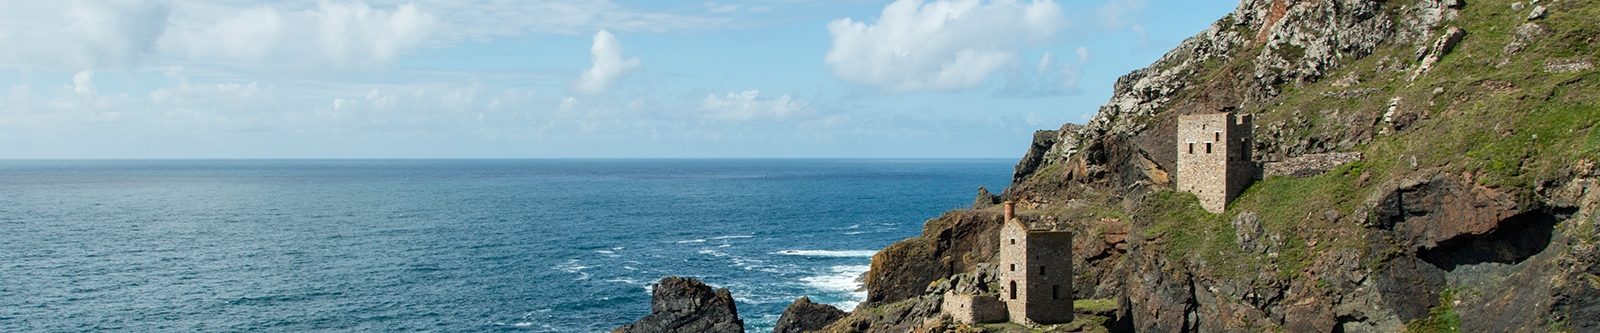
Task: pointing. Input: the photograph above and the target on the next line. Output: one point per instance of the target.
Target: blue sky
(566, 78)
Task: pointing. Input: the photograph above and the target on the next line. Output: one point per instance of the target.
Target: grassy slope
(1508, 138)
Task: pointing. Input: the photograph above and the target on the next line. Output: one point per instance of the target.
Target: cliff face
(1452, 184)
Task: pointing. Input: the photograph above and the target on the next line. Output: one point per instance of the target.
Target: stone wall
(1309, 165)
(972, 308)
(1049, 283)
(1013, 265)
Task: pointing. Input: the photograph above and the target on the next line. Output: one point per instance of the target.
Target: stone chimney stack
(1011, 210)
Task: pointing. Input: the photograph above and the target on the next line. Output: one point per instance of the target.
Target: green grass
(1442, 318)
(1094, 305)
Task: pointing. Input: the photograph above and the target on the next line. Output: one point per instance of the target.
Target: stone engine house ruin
(1214, 159)
(1035, 273)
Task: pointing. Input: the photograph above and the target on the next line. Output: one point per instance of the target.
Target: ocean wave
(690, 241)
(829, 253)
(733, 236)
(841, 280)
(711, 252)
(572, 266)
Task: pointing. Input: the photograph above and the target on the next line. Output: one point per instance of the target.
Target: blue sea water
(444, 245)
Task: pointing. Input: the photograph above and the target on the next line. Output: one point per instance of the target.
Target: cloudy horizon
(563, 78)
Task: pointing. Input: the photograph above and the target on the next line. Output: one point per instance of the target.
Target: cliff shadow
(1517, 238)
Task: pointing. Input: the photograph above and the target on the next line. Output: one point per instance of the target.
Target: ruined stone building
(1035, 273)
(1035, 276)
(1214, 157)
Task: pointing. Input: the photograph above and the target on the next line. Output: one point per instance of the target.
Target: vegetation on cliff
(1471, 205)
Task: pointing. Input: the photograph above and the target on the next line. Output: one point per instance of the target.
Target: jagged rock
(1250, 235)
(1537, 13)
(985, 199)
(917, 314)
(1440, 48)
(1425, 212)
(805, 316)
(953, 243)
(1523, 36)
(687, 305)
(1043, 141)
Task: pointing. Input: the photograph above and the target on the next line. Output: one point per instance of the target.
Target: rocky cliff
(1435, 170)
(1432, 169)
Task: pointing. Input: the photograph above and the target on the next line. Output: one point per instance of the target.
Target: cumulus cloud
(74, 35)
(938, 46)
(83, 34)
(1046, 78)
(343, 34)
(83, 82)
(750, 105)
(609, 65)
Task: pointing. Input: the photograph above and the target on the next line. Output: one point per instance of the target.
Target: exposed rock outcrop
(686, 305)
(1442, 180)
(805, 316)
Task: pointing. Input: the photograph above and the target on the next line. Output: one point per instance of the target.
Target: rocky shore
(1438, 174)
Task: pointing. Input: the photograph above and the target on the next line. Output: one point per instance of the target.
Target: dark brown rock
(687, 305)
(953, 243)
(1043, 140)
(805, 316)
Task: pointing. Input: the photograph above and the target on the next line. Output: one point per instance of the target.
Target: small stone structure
(1214, 157)
(972, 308)
(1035, 270)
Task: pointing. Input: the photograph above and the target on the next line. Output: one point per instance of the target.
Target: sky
(136, 79)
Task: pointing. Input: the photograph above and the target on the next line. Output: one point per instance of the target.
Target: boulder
(805, 316)
(687, 305)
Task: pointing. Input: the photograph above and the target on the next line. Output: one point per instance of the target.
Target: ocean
(445, 245)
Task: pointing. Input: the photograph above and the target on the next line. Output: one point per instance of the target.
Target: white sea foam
(572, 266)
(711, 252)
(829, 253)
(855, 232)
(691, 241)
(733, 236)
(841, 280)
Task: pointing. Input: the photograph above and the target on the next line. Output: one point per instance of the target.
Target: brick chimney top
(1011, 210)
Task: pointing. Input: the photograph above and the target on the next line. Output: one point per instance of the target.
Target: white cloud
(337, 34)
(1046, 78)
(609, 65)
(1117, 14)
(939, 46)
(74, 35)
(83, 82)
(749, 105)
(84, 34)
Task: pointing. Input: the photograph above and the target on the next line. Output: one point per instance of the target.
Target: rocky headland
(1431, 168)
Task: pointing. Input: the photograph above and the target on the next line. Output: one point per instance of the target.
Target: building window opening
(1216, 136)
(1013, 241)
(1191, 148)
(1013, 289)
(1208, 147)
(1041, 270)
(1013, 267)
(1055, 292)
